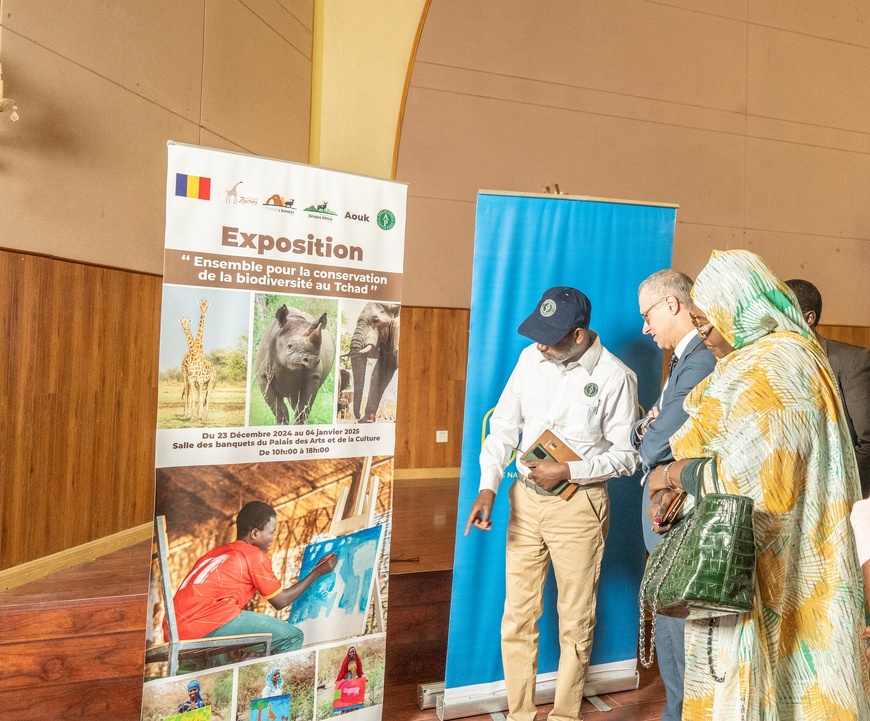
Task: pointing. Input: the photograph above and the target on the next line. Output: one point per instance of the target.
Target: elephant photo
(375, 336)
(293, 360)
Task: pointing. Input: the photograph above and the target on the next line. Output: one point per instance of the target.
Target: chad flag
(192, 186)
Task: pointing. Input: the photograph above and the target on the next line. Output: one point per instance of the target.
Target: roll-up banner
(524, 245)
(278, 376)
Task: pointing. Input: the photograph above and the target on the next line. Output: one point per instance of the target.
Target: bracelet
(668, 477)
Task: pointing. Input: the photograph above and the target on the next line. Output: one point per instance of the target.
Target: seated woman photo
(771, 419)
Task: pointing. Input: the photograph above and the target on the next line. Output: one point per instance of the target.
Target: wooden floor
(73, 646)
(644, 704)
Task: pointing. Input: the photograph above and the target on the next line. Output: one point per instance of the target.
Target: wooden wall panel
(78, 397)
(854, 334)
(433, 353)
(417, 636)
(424, 523)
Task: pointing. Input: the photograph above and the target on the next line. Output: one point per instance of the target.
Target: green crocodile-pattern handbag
(705, 565)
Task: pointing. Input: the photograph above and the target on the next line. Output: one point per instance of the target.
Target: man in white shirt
(568, 383)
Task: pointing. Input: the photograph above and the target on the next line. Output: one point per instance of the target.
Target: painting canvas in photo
(275, 708)
(336, 605)
(198, 714)
(350, 694)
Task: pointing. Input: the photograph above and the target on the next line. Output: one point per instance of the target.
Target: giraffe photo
(203, 367)
(199, 374)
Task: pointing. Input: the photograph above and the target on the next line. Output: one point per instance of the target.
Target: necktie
(671, 363)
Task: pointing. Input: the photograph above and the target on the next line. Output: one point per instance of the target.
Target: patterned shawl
(771, 414)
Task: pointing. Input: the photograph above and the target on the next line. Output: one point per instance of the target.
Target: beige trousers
(570, 534)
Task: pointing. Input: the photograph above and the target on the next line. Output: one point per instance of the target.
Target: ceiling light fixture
(7, 103)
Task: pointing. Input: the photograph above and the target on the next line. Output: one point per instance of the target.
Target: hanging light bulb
(7, 103)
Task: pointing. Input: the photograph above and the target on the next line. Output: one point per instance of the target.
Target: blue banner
(524, 245)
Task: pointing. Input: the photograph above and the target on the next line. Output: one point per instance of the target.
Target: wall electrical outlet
(441, 436)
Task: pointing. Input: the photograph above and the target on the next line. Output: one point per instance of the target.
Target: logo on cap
(548, 307)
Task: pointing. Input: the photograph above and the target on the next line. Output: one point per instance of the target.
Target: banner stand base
(427, 694)
(476, 703)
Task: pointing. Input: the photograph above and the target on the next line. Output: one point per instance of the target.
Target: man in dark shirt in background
(851, 366)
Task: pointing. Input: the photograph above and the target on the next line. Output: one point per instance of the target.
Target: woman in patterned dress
(771, 418)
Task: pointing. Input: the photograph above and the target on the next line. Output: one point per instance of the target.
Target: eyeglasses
(645, 314)
(703, 329)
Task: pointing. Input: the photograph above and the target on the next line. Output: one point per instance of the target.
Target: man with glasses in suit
(665, 306)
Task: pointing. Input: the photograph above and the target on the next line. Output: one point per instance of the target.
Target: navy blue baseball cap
(560, 310)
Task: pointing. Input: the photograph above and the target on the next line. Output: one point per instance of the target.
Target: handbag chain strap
(641, 636)
(647, 662)
(714, 676)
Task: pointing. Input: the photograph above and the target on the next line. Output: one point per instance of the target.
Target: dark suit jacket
(851, 366)
(696, 363)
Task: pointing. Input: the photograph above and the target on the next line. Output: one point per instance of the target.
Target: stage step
(73, 643)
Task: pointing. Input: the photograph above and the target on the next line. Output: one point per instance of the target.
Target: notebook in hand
(549, 447)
